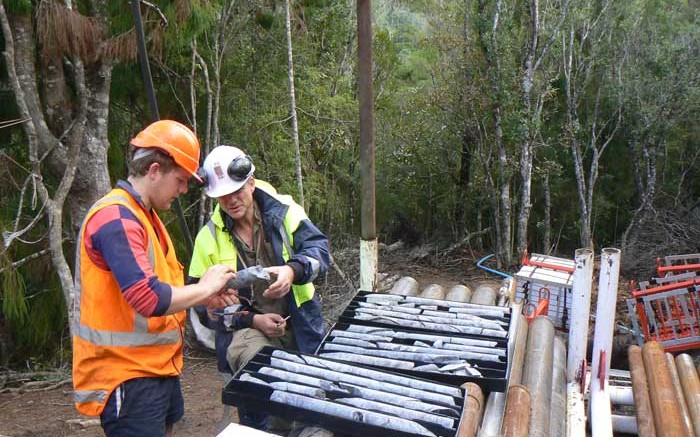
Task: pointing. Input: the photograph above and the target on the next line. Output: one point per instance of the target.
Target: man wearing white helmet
(254, 225)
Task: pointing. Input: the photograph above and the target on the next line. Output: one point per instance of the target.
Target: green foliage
(122, 18)
(440, 80)
(18, 6)
(184, 25)
(264, 19)
(41, 335)
(14, 304)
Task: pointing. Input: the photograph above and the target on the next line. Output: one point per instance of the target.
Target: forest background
(501, 124)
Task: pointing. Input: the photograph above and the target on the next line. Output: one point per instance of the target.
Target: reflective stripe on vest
(302, 292)
(83, 396)
(107, 352)
(140, 336)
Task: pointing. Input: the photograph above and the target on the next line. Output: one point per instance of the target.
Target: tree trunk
(204, 204)
(648, 194)
(78, 156)
(503, 218)
(465, 163)
(528, 123)
(293, 105)
(547, 238)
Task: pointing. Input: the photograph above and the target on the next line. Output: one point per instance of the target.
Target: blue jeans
(143, 407)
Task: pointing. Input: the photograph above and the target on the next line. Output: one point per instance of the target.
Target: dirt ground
(51, 412)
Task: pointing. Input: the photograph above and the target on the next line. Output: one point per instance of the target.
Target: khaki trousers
(244, 345)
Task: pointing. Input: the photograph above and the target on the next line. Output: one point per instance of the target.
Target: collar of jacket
(272, 211)
(126, 186)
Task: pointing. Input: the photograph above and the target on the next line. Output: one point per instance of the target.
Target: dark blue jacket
(296, 242)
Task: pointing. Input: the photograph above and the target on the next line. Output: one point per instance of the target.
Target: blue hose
(490, 270)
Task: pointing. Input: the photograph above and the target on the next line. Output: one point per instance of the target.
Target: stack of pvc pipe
(485, 294)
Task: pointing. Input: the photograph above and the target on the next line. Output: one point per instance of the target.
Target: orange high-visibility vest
(113, 343)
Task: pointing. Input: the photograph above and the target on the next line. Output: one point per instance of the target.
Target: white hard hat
(225, 170)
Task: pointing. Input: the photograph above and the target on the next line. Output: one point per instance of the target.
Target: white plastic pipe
(580, 313)
(601, 416)
(621, 395)
(624, 424)
(575, 411)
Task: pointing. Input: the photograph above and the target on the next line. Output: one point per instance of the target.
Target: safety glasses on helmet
(240, 168)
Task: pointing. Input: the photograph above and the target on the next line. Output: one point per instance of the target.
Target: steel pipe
(516, 420)
(471, 414)
(557, 419)
(537, 373)
(493, 415)
(683, 406)
(640, 389)
(580, 313)
(690, 381)
(667, 418)
(517, 346)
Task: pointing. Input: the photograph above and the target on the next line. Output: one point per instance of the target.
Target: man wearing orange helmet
(130, 298)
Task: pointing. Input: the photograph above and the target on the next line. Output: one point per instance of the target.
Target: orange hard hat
(176, 139)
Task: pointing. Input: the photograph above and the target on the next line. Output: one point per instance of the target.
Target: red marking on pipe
(677, 268)
(601, 369)
(662, 288)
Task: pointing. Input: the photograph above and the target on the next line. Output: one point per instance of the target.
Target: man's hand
(284, 277)
(215, 278)
(271, 324)
(222, 300)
